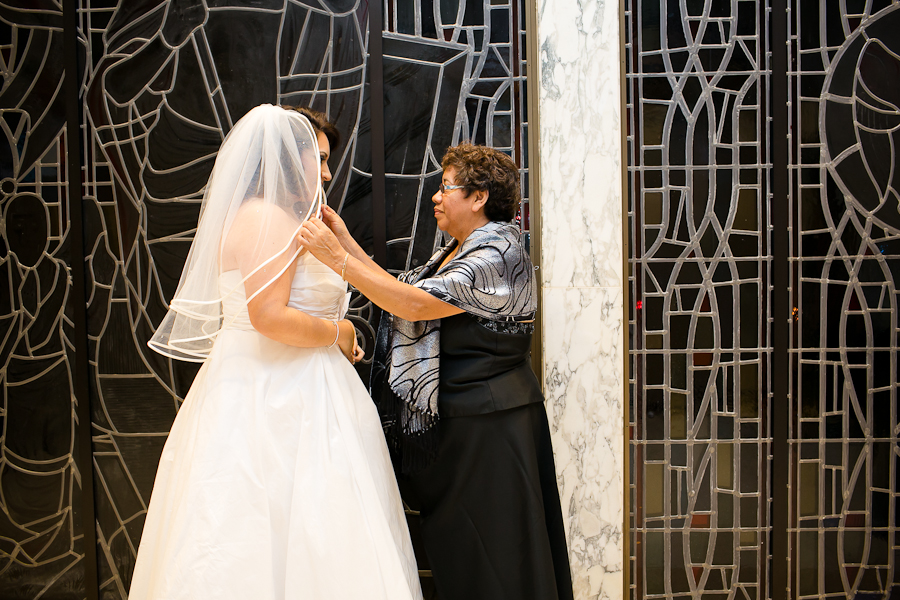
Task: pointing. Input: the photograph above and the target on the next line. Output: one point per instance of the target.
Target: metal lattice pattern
(493, 111)
(844, 87)
(41, 542)
(699, 270)
(845, 90)
(485, 42)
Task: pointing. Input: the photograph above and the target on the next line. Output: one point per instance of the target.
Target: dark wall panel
(41, 540)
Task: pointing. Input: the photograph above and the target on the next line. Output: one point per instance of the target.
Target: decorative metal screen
(844, 85)
(41, 541)
(163, 83)
(699, 285)
(704, 487)
(476, 51)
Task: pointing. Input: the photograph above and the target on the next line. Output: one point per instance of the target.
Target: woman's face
(324, 154)
(452, 208)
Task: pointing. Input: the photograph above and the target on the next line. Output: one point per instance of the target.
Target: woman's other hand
(316, 237)
(336, 224)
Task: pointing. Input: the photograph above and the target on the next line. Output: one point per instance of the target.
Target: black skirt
(492, 526)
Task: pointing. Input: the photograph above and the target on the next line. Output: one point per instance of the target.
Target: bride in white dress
(275, 481)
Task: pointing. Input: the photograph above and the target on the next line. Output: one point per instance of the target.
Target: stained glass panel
(475, 54)
(845, 235)
(41, 540)
(699, 276)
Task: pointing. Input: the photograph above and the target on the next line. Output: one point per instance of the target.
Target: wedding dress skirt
(275, 481)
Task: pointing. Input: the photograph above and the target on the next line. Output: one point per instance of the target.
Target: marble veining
(580, 143)
(582, 304)
(583, 387)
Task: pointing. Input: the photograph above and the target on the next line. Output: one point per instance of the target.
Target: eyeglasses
(449, 188)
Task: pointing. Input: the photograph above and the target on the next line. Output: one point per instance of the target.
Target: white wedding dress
(275, 481)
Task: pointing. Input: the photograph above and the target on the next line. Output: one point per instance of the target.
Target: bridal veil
(265, 183)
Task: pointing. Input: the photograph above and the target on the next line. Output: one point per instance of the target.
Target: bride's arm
(271, 316)
(247, 248)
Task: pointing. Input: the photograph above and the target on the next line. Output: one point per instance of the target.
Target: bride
(275, 481)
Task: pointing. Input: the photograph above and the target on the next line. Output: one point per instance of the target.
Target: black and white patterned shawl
(490, 277)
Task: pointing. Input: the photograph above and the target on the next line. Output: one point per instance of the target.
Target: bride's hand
(316, 237)
(347, 340)
(358, 353)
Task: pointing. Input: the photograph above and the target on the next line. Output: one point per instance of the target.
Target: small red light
(640, 304)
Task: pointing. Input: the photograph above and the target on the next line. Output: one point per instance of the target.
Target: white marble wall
(581, 256)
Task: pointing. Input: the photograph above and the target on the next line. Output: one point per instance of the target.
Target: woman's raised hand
(335, 223)
(316, 237)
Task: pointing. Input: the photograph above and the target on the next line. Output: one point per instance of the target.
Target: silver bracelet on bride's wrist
(337, 333)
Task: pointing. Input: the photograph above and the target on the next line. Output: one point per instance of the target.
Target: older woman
(462, 409)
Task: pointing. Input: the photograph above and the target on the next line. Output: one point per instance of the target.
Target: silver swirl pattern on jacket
(490, 277)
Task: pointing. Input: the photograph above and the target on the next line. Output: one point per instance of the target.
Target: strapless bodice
(315, 289)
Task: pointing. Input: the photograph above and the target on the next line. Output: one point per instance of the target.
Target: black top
(483, 371)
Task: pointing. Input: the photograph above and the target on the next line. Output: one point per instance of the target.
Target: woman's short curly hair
(483, 168)
(320, 123)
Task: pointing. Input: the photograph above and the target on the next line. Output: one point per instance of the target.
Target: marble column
(580, 151)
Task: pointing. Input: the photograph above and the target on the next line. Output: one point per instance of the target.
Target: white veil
(265, 183)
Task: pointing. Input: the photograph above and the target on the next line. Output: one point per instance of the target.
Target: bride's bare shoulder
(256, 216)
(256, 224)
(256, 208)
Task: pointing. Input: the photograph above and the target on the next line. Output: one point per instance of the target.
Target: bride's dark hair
(320, 123)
